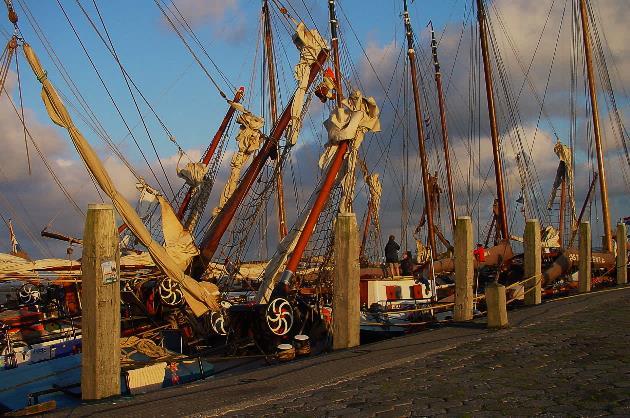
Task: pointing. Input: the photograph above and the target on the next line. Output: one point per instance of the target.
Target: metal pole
(494, 130)
(420, 127)
(596, 126)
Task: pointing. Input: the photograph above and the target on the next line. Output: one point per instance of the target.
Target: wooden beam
(584, 274)
(100, 321)
(464, 269)
(346, 298)
(533, 262)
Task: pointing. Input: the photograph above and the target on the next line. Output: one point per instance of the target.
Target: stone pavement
(567, 357)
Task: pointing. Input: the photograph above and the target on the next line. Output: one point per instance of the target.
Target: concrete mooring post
(100, 321)
(584, 273)
(622, 254)
(533, 262)
(464, 269)
(497, 305)
(346, 297)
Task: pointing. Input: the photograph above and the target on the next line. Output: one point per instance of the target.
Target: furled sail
(565, 171)
(351, 122)
(248, 139)
(358, 116)
(200, 298)
(193, 173)
(310, 43)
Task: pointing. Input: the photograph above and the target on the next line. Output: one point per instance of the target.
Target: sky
(373, 58)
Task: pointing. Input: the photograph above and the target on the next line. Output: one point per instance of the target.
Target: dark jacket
(406, 267)
(391, 251)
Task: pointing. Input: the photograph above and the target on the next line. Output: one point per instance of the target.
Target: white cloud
(200, 11)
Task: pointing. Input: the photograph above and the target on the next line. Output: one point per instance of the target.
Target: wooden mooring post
(533, 262)
(497, 305)
(584, 272)
(464, 269)
(622, 254)
(346, 297)
(100, 322)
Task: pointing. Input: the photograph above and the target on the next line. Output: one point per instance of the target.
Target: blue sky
(166, 72)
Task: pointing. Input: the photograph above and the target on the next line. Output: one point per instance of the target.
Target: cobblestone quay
(568, 357)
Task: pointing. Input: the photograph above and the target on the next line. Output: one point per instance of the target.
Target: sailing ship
(189, 277)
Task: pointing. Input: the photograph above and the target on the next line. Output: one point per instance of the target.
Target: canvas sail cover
(192, 173)
(11, 264)
(248, 139)
(351, 121)
(376, 190)
(565, 170)
(310, 43)
(199, 298)
(358, 116)
(550, 237)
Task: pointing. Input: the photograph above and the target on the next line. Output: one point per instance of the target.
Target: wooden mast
(596, 125)
(273, 104)
(334, 167)
(563, 202)
(211, 149)
(442, 104)
(335, 48)
(219, 225)
(419, 123)
(206, 157)
(494, 130)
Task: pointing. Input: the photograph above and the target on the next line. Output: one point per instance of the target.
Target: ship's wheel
(218, 319)
(29, 294)
(170, 293)
(279, 315)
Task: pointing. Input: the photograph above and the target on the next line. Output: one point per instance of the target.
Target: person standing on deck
(391, 256)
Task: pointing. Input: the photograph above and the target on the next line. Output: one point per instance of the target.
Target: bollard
(100, 320)
(533, 262)
(497, 306)
(464, 270)
(622, 254)
(584, 273)
(346, 297)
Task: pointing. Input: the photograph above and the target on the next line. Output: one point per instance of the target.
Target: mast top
(408, 27)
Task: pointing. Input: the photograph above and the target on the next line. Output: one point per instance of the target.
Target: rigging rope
(127, 80)
(181, 36)
(111, 98)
